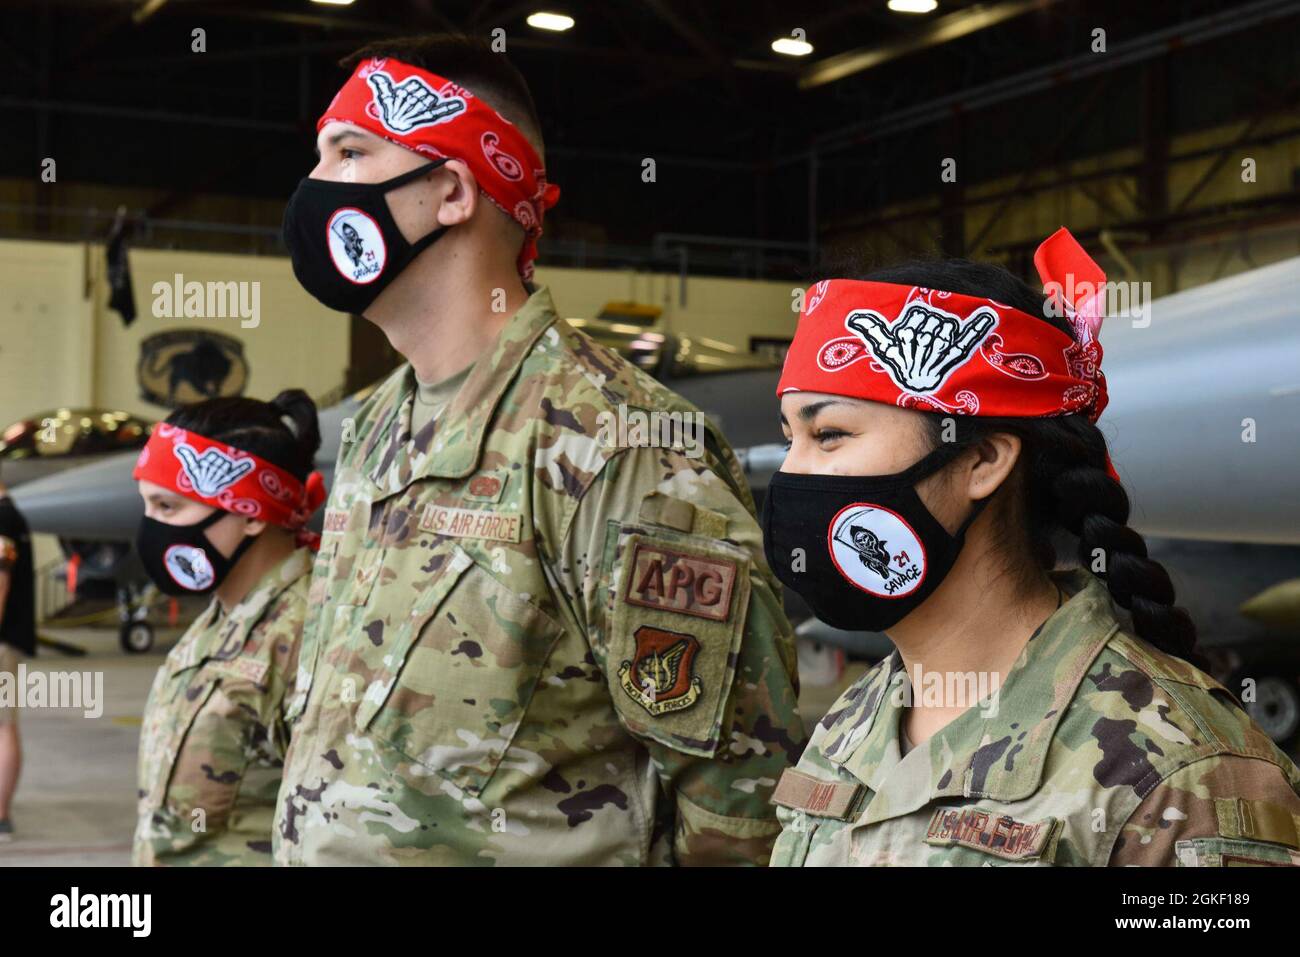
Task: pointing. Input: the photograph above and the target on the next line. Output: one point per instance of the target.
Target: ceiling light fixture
(550, 21)
(912, 6)
(791, 47)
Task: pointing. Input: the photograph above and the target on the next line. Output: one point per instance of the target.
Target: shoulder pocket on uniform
(675, 633)
(448, 693)
(1231, 852)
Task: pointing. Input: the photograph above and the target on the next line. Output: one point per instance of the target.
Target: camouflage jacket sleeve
(214, 738)
(298, 681)
(1182, 822)
(684, 619)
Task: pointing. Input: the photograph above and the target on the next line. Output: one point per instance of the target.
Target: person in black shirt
(17, 634)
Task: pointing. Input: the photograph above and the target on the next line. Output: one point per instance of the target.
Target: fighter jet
(57, 439)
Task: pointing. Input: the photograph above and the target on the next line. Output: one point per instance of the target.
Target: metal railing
(91, 224)
(682, 253)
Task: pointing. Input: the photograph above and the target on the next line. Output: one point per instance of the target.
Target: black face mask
(343, 242)
(181, 560)
(871, 550)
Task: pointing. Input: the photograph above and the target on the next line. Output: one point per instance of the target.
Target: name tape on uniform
(803, 792)
(997, 834)
(471, 523)
(246, 668)
(336, 520)
(679, 581)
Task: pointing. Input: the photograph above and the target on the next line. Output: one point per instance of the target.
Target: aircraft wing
(1204, 414)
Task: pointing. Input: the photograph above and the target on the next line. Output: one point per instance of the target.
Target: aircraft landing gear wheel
(1276, 708)
(136, 637)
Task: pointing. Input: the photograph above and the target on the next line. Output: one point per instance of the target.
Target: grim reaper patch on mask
(356, 245)
(189, 567)
(876, 550)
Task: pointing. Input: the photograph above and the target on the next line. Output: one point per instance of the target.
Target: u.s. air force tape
(471, 523)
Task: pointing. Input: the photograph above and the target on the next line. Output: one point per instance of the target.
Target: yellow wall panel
(63, 347)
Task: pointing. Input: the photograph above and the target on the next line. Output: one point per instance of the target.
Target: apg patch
(998, 834)
(659, 676)
(693, 723)
(680, 581)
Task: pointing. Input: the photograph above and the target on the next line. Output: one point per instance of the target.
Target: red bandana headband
(943, 352)
(228, 478)
(437, 118)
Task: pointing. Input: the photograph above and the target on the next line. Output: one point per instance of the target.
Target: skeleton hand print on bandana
(923, 345)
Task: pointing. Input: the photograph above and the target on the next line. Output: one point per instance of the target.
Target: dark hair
(472, 63)
(252, 425)
(1060, 483)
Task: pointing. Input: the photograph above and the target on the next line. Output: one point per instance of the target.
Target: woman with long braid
(943, 443)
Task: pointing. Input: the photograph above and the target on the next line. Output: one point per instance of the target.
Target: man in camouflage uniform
(1100, 751)
(529, 643)
(214, 735)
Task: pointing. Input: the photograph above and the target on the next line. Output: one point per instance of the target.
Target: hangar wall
(729, 310)
(63, 346)
(47, 328)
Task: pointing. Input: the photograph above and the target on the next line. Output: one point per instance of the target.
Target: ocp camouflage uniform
(214, 734)
(1101, 750)
(530, 645)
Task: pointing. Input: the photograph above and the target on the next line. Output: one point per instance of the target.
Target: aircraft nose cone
(98, 501)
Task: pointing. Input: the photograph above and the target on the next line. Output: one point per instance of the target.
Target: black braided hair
(1062, 483)
(259, 427)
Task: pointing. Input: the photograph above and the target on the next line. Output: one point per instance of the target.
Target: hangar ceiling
(788, 155)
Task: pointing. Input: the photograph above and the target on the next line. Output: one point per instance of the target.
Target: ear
(254, 526)
(457, 192)
(994, 459)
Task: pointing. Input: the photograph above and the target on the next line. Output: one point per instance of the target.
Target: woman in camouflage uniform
(214, 733)
(1022, 719)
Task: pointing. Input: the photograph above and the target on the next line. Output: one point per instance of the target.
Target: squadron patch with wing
(659, 675)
